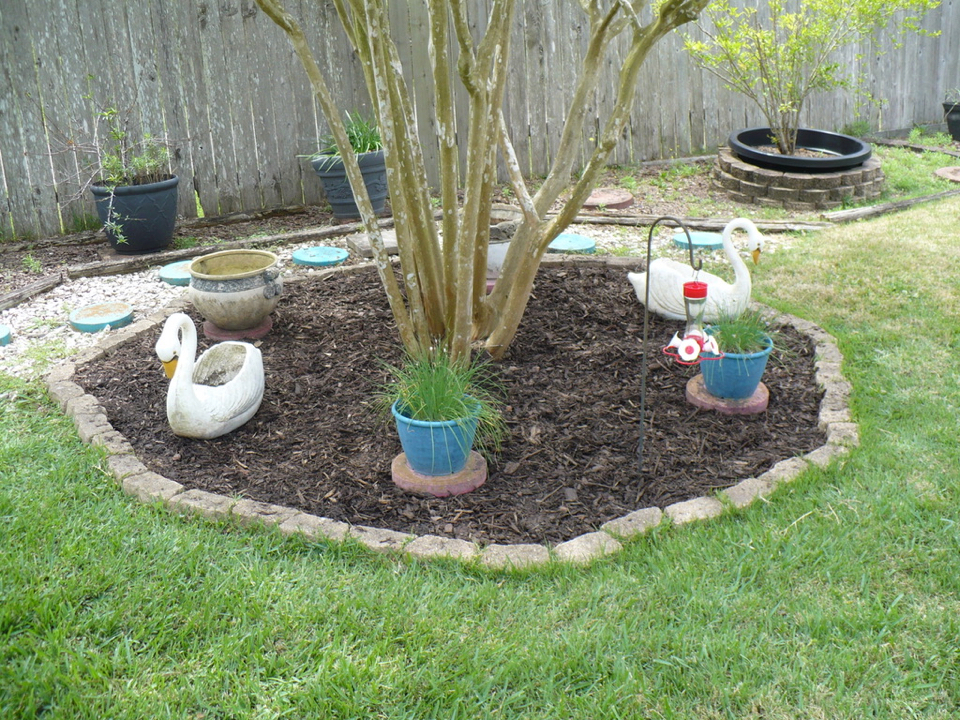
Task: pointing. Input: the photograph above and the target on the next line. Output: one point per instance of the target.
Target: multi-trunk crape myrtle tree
(444, 270)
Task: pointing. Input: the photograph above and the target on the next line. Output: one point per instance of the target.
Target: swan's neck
(740, 272)
(182, 382)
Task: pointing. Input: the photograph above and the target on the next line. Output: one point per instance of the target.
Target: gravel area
(42, 335)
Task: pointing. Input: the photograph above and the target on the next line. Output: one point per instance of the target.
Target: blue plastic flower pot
(734, 376)
(436, 448)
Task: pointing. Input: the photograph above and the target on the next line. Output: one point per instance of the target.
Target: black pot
(138, 219)
(336, 186)
(951, 111)
(844, 151)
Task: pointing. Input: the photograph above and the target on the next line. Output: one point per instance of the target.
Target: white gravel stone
(42, 335)
(40, 327)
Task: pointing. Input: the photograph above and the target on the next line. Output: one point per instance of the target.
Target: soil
(571, 393)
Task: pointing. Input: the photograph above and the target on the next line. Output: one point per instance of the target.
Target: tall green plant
(434, 387)
(444, 272)
(779, 62)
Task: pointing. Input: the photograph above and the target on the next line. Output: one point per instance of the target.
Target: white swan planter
(667, 278)
(217, 394)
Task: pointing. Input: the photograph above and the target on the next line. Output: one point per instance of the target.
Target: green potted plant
(442, 408)
(134, 191)
(364, 137)
(780, 55)
(745, 342)
(951, 112)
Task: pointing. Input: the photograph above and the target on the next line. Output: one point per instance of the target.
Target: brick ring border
(149, 487)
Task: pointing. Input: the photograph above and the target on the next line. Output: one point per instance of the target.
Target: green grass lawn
(837, 598)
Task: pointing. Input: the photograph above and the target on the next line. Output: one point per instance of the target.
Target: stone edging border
(149, 487)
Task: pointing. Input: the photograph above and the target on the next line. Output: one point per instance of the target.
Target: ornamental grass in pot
(364, 137)
(745, 341)
(442, 408)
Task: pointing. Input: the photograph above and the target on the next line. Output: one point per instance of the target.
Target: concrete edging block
(701, 508)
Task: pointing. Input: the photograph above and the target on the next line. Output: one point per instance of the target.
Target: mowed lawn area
(836, 598)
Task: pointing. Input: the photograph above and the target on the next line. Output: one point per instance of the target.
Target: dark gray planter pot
(336, 186)
(843, 151)
(138, 219)
(951, 111)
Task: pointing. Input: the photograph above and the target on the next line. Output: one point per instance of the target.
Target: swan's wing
(220, 364)
(240, 396)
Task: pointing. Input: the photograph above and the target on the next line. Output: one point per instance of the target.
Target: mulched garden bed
(572, 394)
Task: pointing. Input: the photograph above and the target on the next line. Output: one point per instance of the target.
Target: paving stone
(110, 343)
(90, 354)
(313, 527)
(380, 540)
(622, 262)
(828, 370)
(150, 487)
(431, 546)
(800, 206)
(828, 352)
(585, 549)
(844, 433)
(633, 524)
(784, 471)
(61, 372)
(90, 426)
(824, 455)
(828, 417)
(113, 442)
(252, 512)
(746, 491)
(122, 466)
(63, 392)
(360, 243)
(201, 502)
(514, 556)
(83, 405)
(701, 508)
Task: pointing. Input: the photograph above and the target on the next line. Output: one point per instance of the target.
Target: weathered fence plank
(221, 81)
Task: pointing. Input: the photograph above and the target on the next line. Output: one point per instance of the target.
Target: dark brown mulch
(572, 382)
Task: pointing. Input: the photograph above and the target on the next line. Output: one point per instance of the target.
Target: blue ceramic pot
(735, 376)
(436, 448)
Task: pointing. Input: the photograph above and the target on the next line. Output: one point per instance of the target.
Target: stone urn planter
(235, 291)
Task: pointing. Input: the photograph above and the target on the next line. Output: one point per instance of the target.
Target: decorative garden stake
(695, 300)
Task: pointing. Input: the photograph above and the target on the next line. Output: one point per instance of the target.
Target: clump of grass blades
(434, 387)
(363, 134)
(742, 334)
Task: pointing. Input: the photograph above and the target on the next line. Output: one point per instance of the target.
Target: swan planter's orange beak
(756, 256)
(169, 367)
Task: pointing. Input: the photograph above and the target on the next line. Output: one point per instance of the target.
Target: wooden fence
(220, 80)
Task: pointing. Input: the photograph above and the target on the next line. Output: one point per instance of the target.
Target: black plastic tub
(843, 151)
